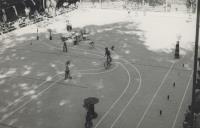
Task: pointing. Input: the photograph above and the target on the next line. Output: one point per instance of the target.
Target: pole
(195, 59)
(44, 4)
(37, 35)
(15, 10)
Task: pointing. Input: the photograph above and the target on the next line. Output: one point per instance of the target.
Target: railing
(25, 21)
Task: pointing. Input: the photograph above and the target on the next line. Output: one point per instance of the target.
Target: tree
(191, 5)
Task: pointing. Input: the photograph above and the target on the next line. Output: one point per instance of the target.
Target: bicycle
(107, 63)
(91, 44)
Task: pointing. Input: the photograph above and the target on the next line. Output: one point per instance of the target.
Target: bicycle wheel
(106, 65)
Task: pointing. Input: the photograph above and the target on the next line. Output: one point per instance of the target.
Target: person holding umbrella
(91, 114)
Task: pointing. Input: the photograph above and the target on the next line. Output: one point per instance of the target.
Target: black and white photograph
(99, 64)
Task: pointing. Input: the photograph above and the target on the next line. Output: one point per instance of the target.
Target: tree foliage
(191, 4)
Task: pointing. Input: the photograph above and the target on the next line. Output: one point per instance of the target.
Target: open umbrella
(89, 105)
(91, 100)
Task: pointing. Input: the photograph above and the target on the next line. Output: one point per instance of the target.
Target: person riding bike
(108, 55)
(91, 44)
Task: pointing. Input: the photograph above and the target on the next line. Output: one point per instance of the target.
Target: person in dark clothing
(160, 112)
(167, 97)
(91, 44)
(67, 71)
(174, 84)
(64, 46)
(112, 47)
(108, 55)
(88, 120)
(75, 40)
(177, 50)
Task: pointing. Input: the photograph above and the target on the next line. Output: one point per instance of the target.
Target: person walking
(108, 55)
(67, 71)
(88, 120)
(64, 46)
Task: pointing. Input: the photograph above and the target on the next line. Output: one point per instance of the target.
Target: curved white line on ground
(90, 70)
(44, 90)
(41, 92)
(19, 99)
(40, 85)
(133, 96)
(181, 103)
(116, 101)
(154, 96)
(106, 71)
(75, 49)
(22, 106)
(88, 51)
(100, 51)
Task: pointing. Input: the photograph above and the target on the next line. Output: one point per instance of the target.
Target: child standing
(67, 71)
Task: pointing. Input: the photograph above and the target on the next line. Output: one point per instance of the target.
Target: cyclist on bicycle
(91, 44)
(108, 55)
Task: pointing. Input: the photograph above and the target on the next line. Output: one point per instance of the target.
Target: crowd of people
(76, 37)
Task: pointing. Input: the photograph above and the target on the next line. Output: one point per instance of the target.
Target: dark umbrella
(89, 105)
(91, 100)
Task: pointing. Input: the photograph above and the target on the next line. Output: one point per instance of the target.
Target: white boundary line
(106, 71)
(22, 106)
(87, 51)
(133, 96)
(40, 93)
(41, 84)
(182, 100)
(19, 99)
(154, 96)
(116, 101)
(44, 90)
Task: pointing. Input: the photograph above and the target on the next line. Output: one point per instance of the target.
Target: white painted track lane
(133, 96)
(124, 91)
(6, 116)
(117, 100)
(44, 90)
(182, 100)
(154, 96)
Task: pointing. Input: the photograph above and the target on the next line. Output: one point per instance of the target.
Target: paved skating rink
(131, 92)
